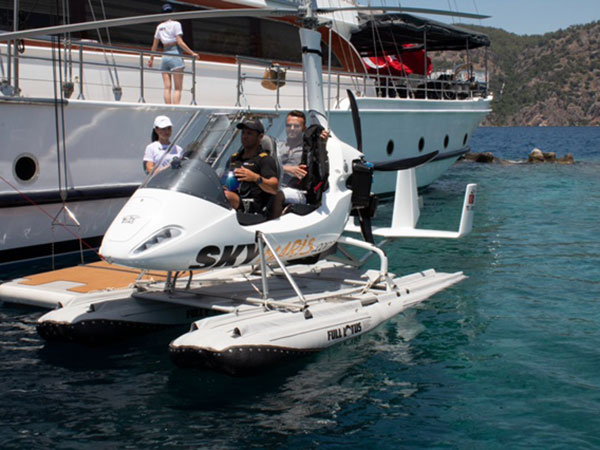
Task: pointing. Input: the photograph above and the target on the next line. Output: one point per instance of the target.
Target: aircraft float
(259, 292)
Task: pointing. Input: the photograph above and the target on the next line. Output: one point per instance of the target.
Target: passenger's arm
(184, 46)
(296, 171)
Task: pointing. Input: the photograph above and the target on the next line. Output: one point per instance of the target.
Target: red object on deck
(399, 65)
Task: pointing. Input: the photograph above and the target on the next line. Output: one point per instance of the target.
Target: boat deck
(47, 289)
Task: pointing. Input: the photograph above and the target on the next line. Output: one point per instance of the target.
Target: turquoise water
(509, 358)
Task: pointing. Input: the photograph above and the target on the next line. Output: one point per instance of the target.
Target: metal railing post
(9, 63)
(16, 68)
(425, 62)
(239, 81)
(193, 80)
(81, 96)
(141, 99)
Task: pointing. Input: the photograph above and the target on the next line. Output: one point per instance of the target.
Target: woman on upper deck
(170, 34)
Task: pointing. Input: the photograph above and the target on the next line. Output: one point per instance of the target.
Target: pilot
(255, 169)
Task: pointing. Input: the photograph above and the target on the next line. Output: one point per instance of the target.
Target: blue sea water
(509, 358)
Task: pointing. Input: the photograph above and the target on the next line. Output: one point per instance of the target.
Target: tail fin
(406, 212)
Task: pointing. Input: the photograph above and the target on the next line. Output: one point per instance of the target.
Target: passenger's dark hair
(154, 135)
(296, 113)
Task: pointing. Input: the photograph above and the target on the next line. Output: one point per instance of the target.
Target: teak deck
(92, 277)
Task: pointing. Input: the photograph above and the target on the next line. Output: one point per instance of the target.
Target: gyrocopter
(259, 292)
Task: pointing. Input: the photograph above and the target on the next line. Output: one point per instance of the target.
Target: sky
(515, 16)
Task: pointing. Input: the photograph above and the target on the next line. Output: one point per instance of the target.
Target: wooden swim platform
(48, 289)
(92, 277)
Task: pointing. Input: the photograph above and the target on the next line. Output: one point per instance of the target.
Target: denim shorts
(171, 59)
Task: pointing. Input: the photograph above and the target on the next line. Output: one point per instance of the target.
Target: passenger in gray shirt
(289, 154)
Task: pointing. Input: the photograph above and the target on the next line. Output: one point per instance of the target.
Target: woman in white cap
(161, 152)
(170, 34)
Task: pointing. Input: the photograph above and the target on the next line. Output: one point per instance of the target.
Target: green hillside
(542, 80)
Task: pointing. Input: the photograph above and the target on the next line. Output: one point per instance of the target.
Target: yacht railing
(443, 87)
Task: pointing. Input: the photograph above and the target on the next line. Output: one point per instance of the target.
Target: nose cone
(163, 230)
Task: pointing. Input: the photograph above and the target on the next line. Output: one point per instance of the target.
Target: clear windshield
(193, 177)
(208, 143)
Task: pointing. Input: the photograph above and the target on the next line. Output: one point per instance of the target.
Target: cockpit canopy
(191, 176)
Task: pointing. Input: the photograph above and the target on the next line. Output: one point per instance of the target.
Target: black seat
(245, 218)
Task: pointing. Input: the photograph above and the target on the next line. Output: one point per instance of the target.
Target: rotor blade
(437, 12)
(355, 119)
(402, 164)
(150, 18)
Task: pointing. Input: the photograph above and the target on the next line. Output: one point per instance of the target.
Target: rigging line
(112, 54)
(375, 41)
(346, 53)
(477, 11)
(351, 48)
(66, 228)
(348, 49)
(68, 68)
(399, 53)
(56, 126)
(62, 124)
(112, 81)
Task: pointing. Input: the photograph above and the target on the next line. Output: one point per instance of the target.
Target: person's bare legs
(167, 82)
(178, 82)
(277, 206)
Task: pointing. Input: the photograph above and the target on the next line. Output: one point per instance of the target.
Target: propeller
(355, 119)
(365, 207)
(403, 164)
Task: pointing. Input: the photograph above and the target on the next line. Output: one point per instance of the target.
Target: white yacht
(77, 107)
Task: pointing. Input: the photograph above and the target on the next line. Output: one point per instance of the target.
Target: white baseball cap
(162, 122)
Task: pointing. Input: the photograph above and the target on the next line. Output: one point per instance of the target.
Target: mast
(312, 59)
(15, 47)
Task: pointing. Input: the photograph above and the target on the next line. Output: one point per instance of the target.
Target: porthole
(446, 141)
(26, 168)
(390, 147)
(421, 144)
(465, 139)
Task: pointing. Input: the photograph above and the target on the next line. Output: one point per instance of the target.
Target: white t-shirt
(168, 31)
(155, 151)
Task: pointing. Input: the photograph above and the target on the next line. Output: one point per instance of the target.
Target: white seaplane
(264, 291)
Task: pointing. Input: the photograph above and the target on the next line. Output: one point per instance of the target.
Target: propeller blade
(355, 119)
(402, 164)
(366, 229)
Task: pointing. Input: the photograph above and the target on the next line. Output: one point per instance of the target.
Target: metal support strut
(261, 237)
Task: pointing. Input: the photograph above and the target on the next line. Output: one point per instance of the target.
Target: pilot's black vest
(246, 189)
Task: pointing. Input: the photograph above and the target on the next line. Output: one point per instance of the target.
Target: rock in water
(567, 159)
(483, 157)
(536, 156)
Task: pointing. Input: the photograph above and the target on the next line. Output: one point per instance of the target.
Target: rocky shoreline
(536, 156)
